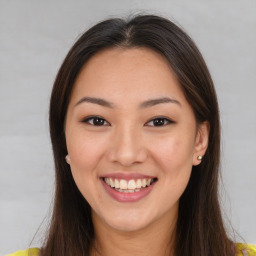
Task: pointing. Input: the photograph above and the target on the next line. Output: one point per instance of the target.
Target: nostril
(127, 154)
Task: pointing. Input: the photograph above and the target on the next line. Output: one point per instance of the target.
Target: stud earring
(199, 157)
(67, 158)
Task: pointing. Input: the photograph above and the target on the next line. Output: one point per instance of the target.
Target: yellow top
(28, 252)
(246, 249)
(243, 250)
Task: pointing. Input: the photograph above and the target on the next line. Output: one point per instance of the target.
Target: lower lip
(127, 197)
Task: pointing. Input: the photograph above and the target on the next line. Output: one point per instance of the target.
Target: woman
(134, 124)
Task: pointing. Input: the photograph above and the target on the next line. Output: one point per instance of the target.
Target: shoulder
(28, 252)
(246, 249)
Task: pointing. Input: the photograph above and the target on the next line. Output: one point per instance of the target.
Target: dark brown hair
(200, 228)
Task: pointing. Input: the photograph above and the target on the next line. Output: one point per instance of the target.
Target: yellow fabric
(28, 252)
(246, 249)
(242, 250)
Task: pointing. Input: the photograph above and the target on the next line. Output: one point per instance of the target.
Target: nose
(127, 147)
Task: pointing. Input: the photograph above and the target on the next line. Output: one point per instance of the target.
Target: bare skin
(134, 133)
(156, 239)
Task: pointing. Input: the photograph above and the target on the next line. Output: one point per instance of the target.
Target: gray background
(34, 38)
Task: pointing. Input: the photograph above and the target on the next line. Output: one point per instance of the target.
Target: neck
(156, 239)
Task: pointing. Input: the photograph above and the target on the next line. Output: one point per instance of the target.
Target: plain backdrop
(34, 39)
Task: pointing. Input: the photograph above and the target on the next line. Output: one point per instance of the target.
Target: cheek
(85, 150)
(174, 157)
(173, 151)
(85, 154)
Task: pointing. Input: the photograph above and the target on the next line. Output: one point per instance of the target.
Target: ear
(67, 158)
(201, 143)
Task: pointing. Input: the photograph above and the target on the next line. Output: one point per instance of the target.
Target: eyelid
(169, 121)
(88, 118)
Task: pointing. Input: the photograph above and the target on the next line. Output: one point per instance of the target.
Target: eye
(96, 121)
(159, 121)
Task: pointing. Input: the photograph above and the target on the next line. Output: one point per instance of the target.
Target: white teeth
(117, 185)
(131, 184)
(127, 190)
(112, 184)
(138, 183)
(123, 184)
(107, 181)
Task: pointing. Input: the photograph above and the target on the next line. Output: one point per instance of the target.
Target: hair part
(200, 227)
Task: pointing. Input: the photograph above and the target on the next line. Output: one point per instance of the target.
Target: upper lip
(127, 176)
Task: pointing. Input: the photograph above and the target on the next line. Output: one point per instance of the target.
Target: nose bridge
(127, 146)
(127, 137)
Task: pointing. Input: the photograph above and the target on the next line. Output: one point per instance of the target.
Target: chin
(127, 225)
(127, 221)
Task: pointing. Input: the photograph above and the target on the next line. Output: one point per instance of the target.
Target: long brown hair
(200, 227)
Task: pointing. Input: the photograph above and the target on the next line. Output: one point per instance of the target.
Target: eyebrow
(98, 101)
(145, 104)
(153, 102)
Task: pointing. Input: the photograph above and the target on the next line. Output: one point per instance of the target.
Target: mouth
(129, 186)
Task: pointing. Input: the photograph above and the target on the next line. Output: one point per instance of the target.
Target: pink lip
(127, 197)
(127, 176)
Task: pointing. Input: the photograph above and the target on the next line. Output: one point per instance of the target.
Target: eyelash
(166, 121)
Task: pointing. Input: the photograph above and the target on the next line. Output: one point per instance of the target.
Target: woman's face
(132, 138)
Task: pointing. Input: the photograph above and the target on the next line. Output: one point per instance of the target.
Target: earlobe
(201, 144)
(67, 158)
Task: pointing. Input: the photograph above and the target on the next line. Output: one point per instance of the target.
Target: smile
(128, 186)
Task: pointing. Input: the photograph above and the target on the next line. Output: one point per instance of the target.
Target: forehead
(127, 74)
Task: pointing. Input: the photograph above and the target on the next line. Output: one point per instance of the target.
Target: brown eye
(159, 122)
(96, 121)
